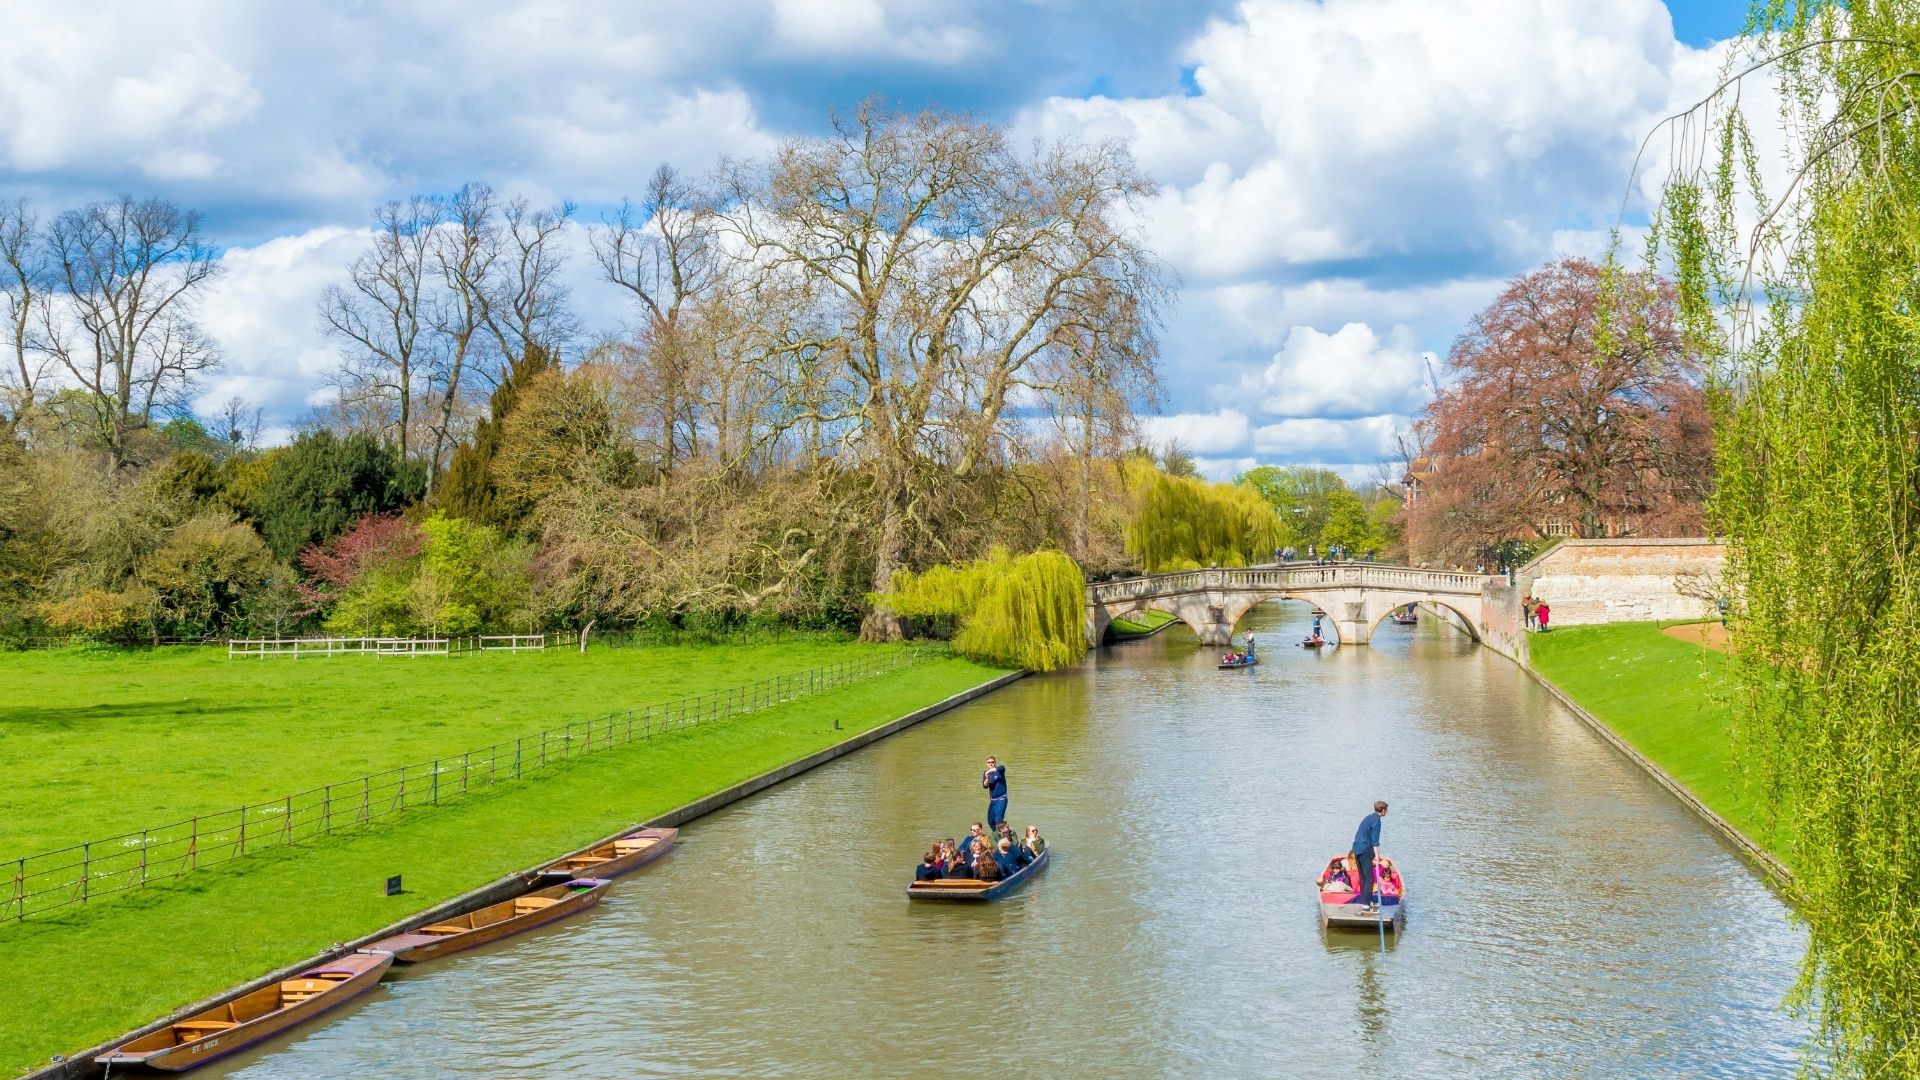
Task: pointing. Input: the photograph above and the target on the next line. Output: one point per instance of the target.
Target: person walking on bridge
(1366, 846)
(994, 779)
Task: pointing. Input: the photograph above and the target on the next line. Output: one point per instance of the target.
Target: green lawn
(1669, 699)
(1141, 622)
(81, 977)
(97, 743)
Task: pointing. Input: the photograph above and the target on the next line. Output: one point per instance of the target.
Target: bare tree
(240, 423)
(25, 280)
(529, 304)
(384, 316)
(129, 273)
(946, 262)
(465, 250)
(663, 253)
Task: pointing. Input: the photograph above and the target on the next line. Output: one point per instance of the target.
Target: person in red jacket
(1540, 615)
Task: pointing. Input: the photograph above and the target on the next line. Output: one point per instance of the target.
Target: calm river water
(1566, 916)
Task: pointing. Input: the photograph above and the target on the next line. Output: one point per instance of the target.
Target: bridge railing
(1337, 575)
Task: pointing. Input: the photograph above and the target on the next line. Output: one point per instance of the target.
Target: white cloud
(867, 27)
(1201, 434)
(1367, 439)
(1350, 372)
(1349, 130)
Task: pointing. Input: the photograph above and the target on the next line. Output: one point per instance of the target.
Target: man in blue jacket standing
(1366, 845)
(995, 781)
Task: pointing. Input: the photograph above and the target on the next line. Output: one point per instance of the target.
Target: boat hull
(965, 891)
(1343, 910)
(607, 861)
(365, 975)
(418, 946)
(1244, 663)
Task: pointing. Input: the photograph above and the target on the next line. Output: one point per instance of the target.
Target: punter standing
(1366, 845)
(995, 781)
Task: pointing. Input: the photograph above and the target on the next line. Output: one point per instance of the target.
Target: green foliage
(321, 484)
(1183, 523)
(1302, 496)
(1027, 612)
(469, 489)
(1350, 524)
(466, 578)
(199, 577)
(1818, 447)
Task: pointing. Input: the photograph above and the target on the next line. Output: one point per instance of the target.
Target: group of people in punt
(980, 855)
(1363, 870)
(1239, 657)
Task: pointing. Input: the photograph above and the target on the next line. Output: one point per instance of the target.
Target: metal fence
(74, 875)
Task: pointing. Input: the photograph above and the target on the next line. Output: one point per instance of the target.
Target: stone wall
(1608, 581)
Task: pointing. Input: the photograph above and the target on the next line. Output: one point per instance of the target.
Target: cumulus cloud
(1201, 434)
(1348, 373)
(1391, 131)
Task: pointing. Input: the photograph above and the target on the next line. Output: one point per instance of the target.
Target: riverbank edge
(1776, 871)
(81, 1064)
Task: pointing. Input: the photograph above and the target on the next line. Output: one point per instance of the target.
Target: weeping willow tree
(1805, 292)
(1028, 612)
(1182, 524)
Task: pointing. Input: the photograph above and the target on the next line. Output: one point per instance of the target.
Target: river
(1566, 917)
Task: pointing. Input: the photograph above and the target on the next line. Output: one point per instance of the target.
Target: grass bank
(1670, 699)
(96, 743)
(96, 971)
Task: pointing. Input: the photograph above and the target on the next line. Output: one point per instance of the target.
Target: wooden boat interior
(231, 1014)
(606, 853)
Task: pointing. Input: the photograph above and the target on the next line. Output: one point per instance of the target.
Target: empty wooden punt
(493, 922)
(621, 855)
(972, 889)
(245, 1020)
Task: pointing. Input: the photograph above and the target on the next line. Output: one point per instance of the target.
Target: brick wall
(1607, 581)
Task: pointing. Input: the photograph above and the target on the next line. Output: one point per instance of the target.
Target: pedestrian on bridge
(994, 779)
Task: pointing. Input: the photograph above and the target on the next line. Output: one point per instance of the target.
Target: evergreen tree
(321, 484)
(468, 490)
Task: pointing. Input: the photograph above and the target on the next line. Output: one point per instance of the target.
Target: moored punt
(1247, 661)
(973, 888)
(242, 1021)
(615, 857)
(493, 922)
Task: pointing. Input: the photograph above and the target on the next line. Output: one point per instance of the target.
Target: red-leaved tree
(1573, 408)
(376, 541)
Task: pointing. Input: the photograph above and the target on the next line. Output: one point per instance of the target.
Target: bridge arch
(1465, 622)
(1356, 596)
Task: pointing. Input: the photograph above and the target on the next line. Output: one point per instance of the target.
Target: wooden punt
(1347, 909)
(1406, 620)
(1228, 665)
(1314, 643)
(972, 889)
(493, 922)
(245, 1020)
(615, 857)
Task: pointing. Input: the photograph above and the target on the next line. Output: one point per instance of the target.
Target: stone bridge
(1356, 596)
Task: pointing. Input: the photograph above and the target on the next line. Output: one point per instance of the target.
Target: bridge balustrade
(1242, 578)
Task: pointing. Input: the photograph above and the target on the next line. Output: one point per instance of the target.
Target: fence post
(326, 810)
(20, 889)
(543, 749)
(243, 829)
(436, 781)
(86, 869)
(286, 821)
(516, 758)
(366, 799)
(193, 844)
(143, 856)
(466, 762)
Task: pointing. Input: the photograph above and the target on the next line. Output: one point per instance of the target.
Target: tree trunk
(882, 625)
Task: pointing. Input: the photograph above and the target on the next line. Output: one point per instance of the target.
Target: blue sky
(1342, 183)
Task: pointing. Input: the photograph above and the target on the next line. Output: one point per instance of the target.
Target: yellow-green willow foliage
(1812, 323)
(1182, 524)
(1028, 612)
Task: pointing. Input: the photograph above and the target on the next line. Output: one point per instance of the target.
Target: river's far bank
(1668, 696)
(147, 953)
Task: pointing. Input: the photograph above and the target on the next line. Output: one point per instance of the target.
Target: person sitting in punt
(985, 867)
(1004, 857)
(976, 833)
(1006, 833)
(1033, 842)
(929, 868)
(1335, 878)
(1389, 876)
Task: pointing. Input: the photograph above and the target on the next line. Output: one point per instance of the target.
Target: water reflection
(1554, 924)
